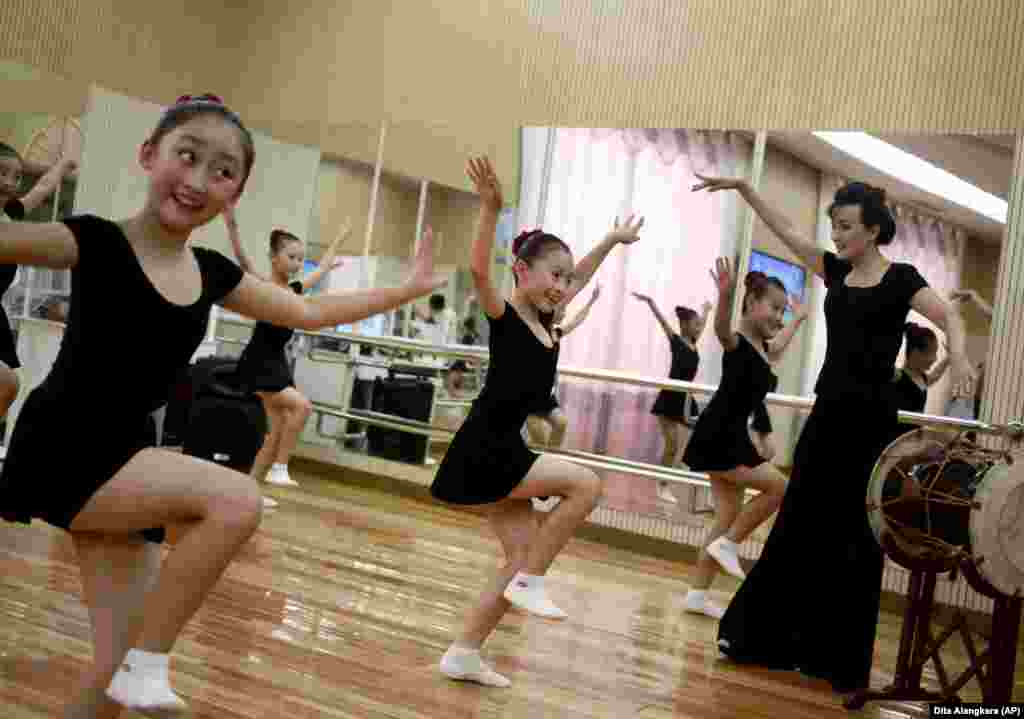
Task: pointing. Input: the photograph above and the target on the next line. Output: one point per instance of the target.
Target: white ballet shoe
(532, 599)
(280, 477)
(723, 551)
(545, 505)
(145, 690)
(697, 603)
(269, 503)
(665, 494)
(466, 665)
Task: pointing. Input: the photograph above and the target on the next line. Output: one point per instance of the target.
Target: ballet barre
(588, 459)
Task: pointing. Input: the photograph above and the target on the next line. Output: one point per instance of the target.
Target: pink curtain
(596, 175)
(933, 247)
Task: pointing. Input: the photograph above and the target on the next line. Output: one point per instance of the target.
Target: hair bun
(205, 97)
(521, 238)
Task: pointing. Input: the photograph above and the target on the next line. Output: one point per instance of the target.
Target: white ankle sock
(465, 664)
(526, 591)
(697, 603)
(723, 551)
(278, 474)
(142, 684)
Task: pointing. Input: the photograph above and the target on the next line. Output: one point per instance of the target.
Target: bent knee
(241, 508)
(589, 485)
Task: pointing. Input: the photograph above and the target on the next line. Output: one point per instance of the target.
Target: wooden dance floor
(345, 599)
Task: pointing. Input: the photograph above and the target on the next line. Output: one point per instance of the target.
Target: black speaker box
(411, 398)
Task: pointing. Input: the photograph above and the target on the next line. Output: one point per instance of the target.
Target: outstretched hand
(423, 280)
(723, 275)
(714, 184)
(628, 232)
(486, 183)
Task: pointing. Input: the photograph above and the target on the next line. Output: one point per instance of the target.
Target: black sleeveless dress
(488, 458)
(263, 366)
(106, 400)
(678, 406)
(910, 398)
(721, 440)
(822, 525)
(8, 350)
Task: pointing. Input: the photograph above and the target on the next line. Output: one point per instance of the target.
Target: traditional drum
(941, 499)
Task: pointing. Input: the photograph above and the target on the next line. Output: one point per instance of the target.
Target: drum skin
(938, 500)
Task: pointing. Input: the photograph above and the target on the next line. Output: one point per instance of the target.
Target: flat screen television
(792, 275)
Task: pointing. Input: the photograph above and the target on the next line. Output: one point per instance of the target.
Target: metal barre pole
(804, 404)
(615, 464)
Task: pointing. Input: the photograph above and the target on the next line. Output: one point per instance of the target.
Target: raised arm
(928, 303)
(489, 189)
(328, 261)
(231, 221)
(725, 280)
(578, 318)
(268, 302)
(777, 222)
(46, 184)
(646, 299)
(972, 295)
(777, 345)
(935, 373)
(626, 233)
(705, 313)
(38, 244)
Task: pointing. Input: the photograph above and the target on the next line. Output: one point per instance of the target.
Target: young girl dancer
(722, 442)
(676, 411)
(263, 368)
(911, 382)
(13, 208)
(547, 423)
(488, 462)
(116, 498)
(822, 529)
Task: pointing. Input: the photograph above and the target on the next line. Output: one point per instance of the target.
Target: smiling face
(288, 258)
(849, 233)
(10, 178)
(195, 170)
(546, 279)
(922, 356)
(765, 311)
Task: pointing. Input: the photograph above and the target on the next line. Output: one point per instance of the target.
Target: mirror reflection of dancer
(488, 462)
(919, 372)
(822, 529)
(14, 208)
(735, 455)
(677, 411)
(263, 368)
(547, 422)
(117, 498)
(965, 403)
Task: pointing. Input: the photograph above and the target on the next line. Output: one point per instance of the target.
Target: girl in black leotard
(822, 529)
(734, 454)
(263, 367)
(13, 208)
(488, 462)
(118, 491)
(677, 411)
(911, 382)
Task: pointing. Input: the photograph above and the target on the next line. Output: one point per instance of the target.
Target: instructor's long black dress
(811, 600)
